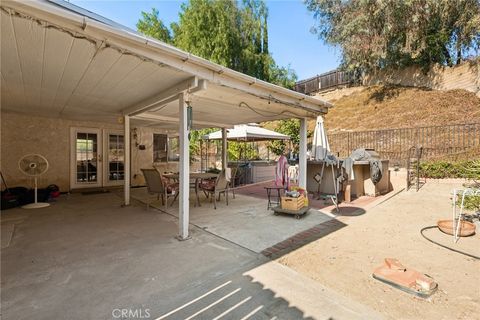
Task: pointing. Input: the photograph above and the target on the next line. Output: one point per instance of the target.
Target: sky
(289, 22)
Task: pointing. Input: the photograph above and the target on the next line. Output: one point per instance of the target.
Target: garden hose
(446, 247)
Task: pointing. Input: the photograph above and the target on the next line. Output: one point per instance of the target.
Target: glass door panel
(115, 158)
(97, 158)
(87, 157)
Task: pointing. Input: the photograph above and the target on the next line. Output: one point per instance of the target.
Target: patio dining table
(197, 176)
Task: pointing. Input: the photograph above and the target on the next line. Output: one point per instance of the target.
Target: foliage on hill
(378, 34)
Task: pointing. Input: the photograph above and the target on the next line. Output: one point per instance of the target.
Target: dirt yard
(344, 260)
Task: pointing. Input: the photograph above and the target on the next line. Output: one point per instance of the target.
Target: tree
(282, 76)
(231, 33)
(377, 34)
(209, 29)
(291, 128)
(238, 151)
(254, 57)
(195, 137)
(152, 26)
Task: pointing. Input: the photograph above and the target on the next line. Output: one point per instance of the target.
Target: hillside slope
(380, 107)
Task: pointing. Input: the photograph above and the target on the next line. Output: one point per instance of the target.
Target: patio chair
(217, 187)
(157, 185)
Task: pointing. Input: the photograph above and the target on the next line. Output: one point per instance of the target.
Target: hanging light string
(284, 112)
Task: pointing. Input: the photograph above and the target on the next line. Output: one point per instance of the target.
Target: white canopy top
(245, 132)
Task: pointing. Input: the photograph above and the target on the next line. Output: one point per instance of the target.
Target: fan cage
(33, 165)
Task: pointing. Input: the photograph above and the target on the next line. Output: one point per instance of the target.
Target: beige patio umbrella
(320, 146)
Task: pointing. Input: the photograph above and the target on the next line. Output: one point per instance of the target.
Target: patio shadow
(349, 211)
(305, 237)
(239, 297)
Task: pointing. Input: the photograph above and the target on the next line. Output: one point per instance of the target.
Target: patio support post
(184, 171)
(302, 157)
(126, 188)
(224, 148)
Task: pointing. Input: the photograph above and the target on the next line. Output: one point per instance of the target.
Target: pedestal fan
(34, 165)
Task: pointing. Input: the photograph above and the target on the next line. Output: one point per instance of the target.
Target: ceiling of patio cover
(72, 64)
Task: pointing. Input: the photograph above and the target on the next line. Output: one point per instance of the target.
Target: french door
(97, 158)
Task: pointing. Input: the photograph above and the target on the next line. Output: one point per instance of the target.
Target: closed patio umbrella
(321, 151)
(320, 147)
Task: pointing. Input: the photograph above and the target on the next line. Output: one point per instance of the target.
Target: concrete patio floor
(245, 221)
(85, 256)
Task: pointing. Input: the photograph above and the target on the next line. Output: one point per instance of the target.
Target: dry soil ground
(344, 260)
(380, 107)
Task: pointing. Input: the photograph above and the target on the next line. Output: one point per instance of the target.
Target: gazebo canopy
(247, 133)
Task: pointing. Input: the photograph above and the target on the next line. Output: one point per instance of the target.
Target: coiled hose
(444, 246)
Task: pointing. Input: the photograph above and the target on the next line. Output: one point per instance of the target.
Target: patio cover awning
(61, 61)
(248, 133)
(68, 63)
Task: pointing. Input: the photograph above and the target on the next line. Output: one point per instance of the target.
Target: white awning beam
(302, 161)
(184, 171)
(202, 85)
(126, 187)
(224, 149)
(149, 116)
(168, 94)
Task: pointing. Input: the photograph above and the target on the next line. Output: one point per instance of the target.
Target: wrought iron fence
(393, 144)
(325, 81)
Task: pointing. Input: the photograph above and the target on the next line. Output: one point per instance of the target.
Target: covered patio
(245, 221)
(65, 63)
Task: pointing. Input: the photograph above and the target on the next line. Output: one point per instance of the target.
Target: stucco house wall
(24, 134)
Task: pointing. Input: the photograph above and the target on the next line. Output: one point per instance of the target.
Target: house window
(165, 148)
(173, 149)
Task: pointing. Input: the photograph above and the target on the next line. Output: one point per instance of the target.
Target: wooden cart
(298, 213)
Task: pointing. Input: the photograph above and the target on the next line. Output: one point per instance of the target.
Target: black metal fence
(325, 81)
(393, 144)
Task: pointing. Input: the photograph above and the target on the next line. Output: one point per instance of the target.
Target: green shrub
(468, 169)
(471, 202)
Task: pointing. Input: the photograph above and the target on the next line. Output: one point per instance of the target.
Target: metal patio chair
(220, 186)
(157, 185)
